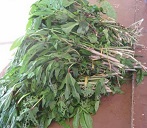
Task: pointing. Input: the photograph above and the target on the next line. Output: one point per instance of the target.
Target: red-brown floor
(140, 93)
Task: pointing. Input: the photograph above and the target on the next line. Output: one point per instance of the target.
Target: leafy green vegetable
(76, 119)
(97, 103)
(108, 9)
(69, 57)
(140, 76)
(17, 43)
(68, 27)
(85, 120)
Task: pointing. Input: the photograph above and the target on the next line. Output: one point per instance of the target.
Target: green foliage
(139, 76)
(68, 27)
(108, 9)
(69, 57)
(17, 43)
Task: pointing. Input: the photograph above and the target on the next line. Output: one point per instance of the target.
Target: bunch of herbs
(71, 55)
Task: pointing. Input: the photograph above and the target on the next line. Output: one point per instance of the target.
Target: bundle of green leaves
(69, 57)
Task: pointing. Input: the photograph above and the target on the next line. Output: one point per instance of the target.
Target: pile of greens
(71, 55)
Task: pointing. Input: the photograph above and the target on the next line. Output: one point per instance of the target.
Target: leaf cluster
(69, 57)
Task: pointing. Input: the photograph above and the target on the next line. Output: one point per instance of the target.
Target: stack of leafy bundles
(69, 57)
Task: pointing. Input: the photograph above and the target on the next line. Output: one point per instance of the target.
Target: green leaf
(67, 89)
(67, 3)
(74, 91)
(92, 38)
(88, 91)
(68, 27)
(30, 53)
(75, 72)
(29, 24)
(48, 22)
(116, 90)
(69, 14)
(82, 120)
(48, 122)
(2, 90)
(108, 9)
(32, 115)
(6, 99)
(17, 42)
(64, 124)
(62, 84)
(76, 119)
(97, 103)
(52, 105)
(83, 27)
(62, 107)
(61, 17)
(30, 75)
(12, 116)
(57, 71)
(33, 7)
(40, 13)
(106, 35)
(22, 114)
(99, 85)
(140, 76)
(37, 23)
(88, 120)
